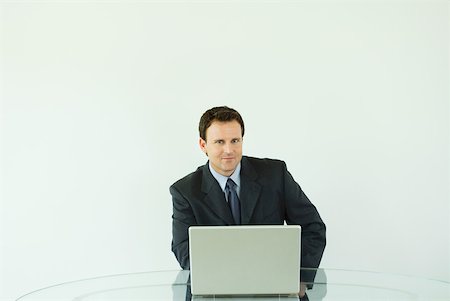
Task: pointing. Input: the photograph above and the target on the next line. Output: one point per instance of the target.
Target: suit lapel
(250, 190)
(215, 198)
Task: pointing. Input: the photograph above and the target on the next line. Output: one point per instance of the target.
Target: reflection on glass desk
(330, 284)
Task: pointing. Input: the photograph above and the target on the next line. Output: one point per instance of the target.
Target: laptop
(245, 260)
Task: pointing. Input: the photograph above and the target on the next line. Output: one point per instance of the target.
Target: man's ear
(202, 144)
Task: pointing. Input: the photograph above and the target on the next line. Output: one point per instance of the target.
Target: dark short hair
(222, 114)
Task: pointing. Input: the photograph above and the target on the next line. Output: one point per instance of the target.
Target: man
(234, 189)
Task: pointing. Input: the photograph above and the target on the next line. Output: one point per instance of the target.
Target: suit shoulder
(264, 167)
(188, 180)
(265, 162)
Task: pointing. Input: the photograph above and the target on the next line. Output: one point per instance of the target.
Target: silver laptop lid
(244, 260)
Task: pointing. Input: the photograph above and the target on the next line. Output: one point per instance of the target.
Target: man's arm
(182, 219)
(300, 211)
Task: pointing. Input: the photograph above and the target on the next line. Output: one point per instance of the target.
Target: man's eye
(219, 142)
(235, 141)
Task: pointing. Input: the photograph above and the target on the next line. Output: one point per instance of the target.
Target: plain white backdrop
(100, 104)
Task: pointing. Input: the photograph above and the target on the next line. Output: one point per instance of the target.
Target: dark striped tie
(233, 201)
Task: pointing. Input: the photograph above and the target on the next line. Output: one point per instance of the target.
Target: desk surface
(330, 284)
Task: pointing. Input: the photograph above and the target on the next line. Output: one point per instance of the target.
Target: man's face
(223, 146)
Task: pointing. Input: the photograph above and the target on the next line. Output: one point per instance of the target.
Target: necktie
(233, 201)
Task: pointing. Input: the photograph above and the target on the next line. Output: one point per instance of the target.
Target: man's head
(222, 114)
(221, 132)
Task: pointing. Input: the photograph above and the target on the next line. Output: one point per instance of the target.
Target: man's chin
(228, 170)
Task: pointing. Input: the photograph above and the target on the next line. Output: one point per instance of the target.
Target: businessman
(232, 189)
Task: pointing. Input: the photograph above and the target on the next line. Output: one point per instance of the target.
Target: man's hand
(302, 291)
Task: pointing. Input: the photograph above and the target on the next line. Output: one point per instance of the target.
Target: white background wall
(100, 104)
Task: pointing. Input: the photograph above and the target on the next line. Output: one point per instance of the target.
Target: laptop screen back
(244, 260)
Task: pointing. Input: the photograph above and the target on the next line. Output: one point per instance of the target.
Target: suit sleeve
(182, 218)
(300, 211)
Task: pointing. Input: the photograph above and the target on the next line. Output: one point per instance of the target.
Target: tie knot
(231, 184)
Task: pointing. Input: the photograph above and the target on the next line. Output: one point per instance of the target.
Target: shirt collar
(222, 180)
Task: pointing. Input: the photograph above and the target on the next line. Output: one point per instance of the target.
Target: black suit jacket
(269, 196)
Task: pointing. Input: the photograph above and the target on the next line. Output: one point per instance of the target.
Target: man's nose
(227, 148)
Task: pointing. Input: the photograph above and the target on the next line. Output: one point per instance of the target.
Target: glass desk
(330, 284)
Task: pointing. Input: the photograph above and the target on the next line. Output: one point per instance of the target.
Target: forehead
(223, 130)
